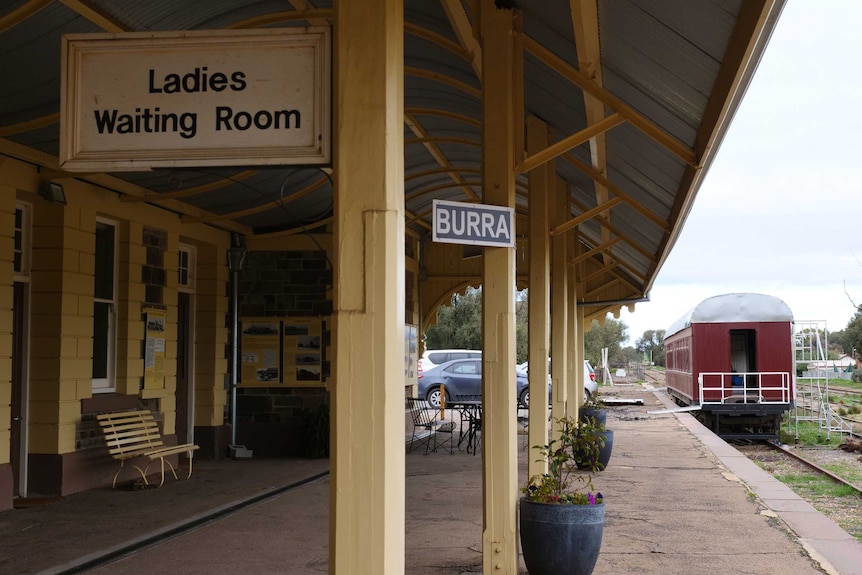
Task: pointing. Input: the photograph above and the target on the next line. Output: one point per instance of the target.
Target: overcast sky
(779, 210)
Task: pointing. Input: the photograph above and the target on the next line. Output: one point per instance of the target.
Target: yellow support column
(559, 306)
(571, 356)
(367, 454)
(541, 181)
(500, 454)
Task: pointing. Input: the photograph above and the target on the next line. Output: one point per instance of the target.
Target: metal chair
(428, 425)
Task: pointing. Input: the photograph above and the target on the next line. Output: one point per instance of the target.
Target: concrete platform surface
(679, 501)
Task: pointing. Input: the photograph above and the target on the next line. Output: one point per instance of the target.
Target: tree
(459, 324)
(611, 335)
(854, 335)
(651, 345)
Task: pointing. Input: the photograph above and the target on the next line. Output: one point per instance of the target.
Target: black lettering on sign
(146, 121)
(198, 80)
(227, 120)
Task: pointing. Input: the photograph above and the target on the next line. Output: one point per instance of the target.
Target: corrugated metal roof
(660, 58)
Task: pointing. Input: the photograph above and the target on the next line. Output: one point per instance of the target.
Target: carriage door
(185, 347)
(20, 353)
(742, 352)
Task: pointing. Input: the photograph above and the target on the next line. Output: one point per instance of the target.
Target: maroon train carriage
(732, 358)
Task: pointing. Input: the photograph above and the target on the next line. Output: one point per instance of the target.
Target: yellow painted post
(499, 452)
(367, 453)
(571, 367)
(442, 401)
(541, 182)
(559, 306)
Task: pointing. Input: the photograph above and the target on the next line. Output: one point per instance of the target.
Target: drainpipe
(235, 258)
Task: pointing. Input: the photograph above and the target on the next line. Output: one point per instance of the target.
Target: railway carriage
(731, 360)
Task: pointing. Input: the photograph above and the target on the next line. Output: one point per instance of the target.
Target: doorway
(184, 392)
(19, 411)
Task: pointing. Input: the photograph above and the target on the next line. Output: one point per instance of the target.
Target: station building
(154, 259)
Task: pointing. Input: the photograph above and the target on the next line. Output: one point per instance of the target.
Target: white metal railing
(745, 387)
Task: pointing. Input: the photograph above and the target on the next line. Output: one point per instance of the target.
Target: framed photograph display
(302, 351)
(260, 359)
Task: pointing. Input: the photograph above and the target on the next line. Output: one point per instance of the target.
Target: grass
(816, 486)
(845, 470)
(809, 434)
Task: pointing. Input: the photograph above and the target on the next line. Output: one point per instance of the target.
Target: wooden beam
(606, 183)
(413, 112)
(34, 124)
(460, 23)
(435, 38)
(95, 15)
(21, 13)
(416, 127)
(587, 215)
(559, 148)
(156, 197)
(280, 18)
(443, 79)
(596, 250)
(563, 68)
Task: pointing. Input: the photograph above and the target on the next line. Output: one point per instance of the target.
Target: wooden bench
(132, 434)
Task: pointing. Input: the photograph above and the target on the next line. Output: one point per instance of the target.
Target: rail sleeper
(132, 434)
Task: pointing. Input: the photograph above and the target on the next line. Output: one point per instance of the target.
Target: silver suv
(434, 357)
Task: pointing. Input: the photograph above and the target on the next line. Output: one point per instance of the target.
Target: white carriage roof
(734, 307)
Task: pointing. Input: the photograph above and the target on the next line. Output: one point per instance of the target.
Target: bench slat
(132, 434)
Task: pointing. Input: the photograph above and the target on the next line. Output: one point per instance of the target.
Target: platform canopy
(638, 93)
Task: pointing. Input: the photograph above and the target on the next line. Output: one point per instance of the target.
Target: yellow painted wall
(7, 230)
(61, 322)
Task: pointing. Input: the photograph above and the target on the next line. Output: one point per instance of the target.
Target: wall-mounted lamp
(53, 192)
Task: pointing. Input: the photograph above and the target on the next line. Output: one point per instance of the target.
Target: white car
(434, 357)
(590, 385)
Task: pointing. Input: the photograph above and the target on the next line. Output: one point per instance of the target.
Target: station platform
(678, 499)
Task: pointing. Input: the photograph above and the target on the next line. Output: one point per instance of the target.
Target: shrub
(857, 376)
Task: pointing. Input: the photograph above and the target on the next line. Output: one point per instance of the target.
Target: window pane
(101, 331)
(104, 288)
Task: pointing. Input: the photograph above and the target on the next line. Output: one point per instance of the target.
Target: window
(467, 368)
(22, 241)
(186, 268)
(104, 308)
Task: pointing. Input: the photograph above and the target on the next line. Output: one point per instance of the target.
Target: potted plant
(594, 407)
(561, 517)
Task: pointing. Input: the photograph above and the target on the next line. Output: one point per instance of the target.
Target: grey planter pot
(561, 539)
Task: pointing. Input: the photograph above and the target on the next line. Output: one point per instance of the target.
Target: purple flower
(591, 498)
(599, 497)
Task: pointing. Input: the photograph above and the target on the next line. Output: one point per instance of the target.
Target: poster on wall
(154, 357)
(260, 361)
(302, 351)
(411, 359)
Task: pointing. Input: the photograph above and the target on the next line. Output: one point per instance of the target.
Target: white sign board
(473, 224)
(214, 98)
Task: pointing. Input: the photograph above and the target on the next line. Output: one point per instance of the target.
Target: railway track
(814, 466)
(837, 497)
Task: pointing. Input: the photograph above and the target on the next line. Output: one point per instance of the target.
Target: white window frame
(109, 384)
(189, 286)
(23, 275)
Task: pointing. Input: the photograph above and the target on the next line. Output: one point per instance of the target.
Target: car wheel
(586, 395)
(434, 397)
(524, 400)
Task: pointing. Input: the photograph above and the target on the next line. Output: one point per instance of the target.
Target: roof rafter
(646, 126)
(606, 183)
(21, 13)
(466, 35)
(566, 144)
(96, 16)
(416, 127)
(587, 215)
